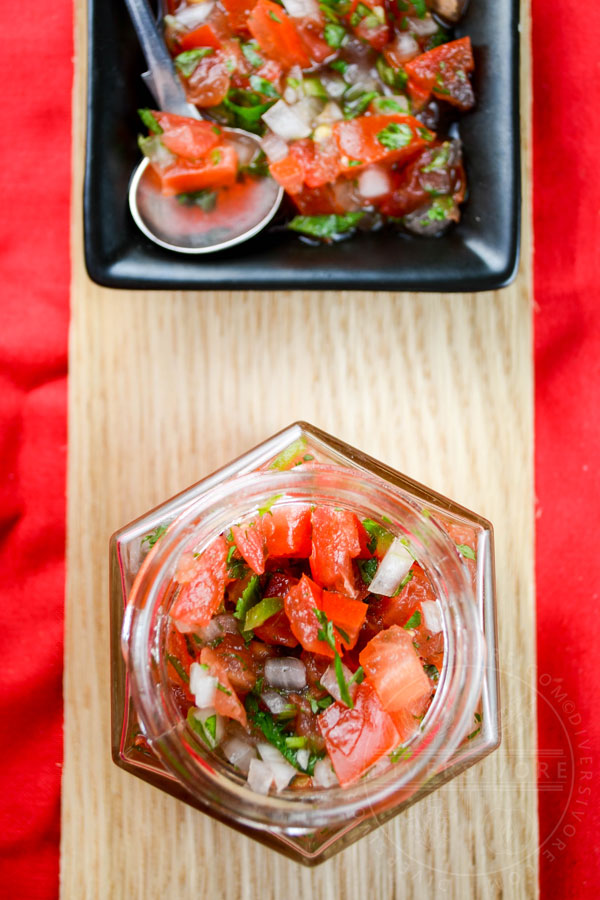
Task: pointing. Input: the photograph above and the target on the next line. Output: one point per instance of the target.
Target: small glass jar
(151, 738)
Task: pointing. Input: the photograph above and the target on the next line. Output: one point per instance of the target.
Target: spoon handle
(167, 86)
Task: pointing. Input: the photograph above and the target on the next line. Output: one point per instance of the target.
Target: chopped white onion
(333, 84)
(274, 147)
(405, 47)
(240, 753)
(423, 27)
(202, 685)
(432, 613)
(282, 771)
(324, 776)
(276, 703)
(330, 682)
(285, 121)
(192, 16)
(286, 672)
(260, 776)
(217, 627)
(331, 112)
(373, 182)
(300, 9)
(291, 95)
(392, 569)
(303, 757)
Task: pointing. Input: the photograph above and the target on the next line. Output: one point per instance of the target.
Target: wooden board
(165, 387)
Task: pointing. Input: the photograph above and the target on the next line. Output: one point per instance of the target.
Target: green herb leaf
(353, 106)
(425, 133)
(340, 65)
(149, 120)
(391, 105)
(262, 86)
(400, 753)
(236, 567)
(395, 136)
(358, 677)
(466, 551)
(326, 227)
(263, 610)
(245, 109)
(367, 569)
(432, 672)
(187, 61)
(339, 674)
(408, 577)
(154, 536)
(274, 734)
(178, 668)
(394, 78)
(205, 199)
(223, 689)
(258, 167)
(420, 8)
(274, 17)
(414, 621)
(250, 596)
(335, 35)
(380, 537)
(262, 510)
(206, 730)
(249, 50)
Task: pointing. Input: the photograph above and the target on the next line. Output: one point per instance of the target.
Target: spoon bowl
(191, 224)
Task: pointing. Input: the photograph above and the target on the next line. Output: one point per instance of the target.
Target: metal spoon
(184, 228)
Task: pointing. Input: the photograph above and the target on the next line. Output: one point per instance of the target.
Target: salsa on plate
(305, 645)
(355, 101)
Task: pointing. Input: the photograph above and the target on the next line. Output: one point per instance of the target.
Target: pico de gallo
(305, 644)
(354, 100)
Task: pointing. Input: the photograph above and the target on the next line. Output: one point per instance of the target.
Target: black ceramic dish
(480, 253)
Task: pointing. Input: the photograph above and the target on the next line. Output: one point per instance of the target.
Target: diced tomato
(418, 94)
(237, 13)
(217, 169)
(277, 34)
(201, 596)
(250, 541)
(271, 71)
(288, 531)
(414, 185)
(311, 32)
(377, 35)
(237, 661)
(300, 604)
(367, 139)
(186, 137)
(315, 669)
(276, 630)
(398, 610)
(179, 650)
(289, 173)
(443, 72)
(357, 738)
(335, 543)
(203, 36)
(346, 613)
(227, 702)
(209, 83)
(405, 722)
(395, 671)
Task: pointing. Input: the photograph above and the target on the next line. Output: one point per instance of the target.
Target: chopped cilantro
(206, 730)
(263, 510)
(249, 50)
(178, 668)
(335, 35)
(395, 136)
(274, 17)
(379, 537)
(432, 671)
(408, 577)
(354, 104)
(325, 633)
(400, 753)
(221, 687)
(414, 621)
(367, 569)
(327, 227)
(274, 733)
(466, 551)
(154, 536)
(420, 8)
(205, 199)
(187, 61)
(249, 597)
(149, 120)
(262, 86)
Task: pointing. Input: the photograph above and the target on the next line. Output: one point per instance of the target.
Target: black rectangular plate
(480, 253)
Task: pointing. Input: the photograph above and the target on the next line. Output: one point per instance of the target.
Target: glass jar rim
(459, 687)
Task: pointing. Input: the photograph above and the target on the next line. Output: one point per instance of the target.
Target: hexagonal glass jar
(150, 738)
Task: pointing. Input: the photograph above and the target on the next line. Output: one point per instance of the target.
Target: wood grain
(165, 387)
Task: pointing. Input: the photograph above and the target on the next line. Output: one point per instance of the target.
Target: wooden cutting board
(164, 388)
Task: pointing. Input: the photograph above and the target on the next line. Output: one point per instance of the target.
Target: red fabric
(35, 141)
(567, 357)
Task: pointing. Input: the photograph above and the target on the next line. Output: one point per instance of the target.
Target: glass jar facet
(301, 464)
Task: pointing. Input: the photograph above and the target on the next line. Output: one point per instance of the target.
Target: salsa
(355, 102)
(305, 644)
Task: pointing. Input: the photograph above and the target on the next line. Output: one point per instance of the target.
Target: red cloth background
(35, 148)
(566, 122)
(34, 260)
